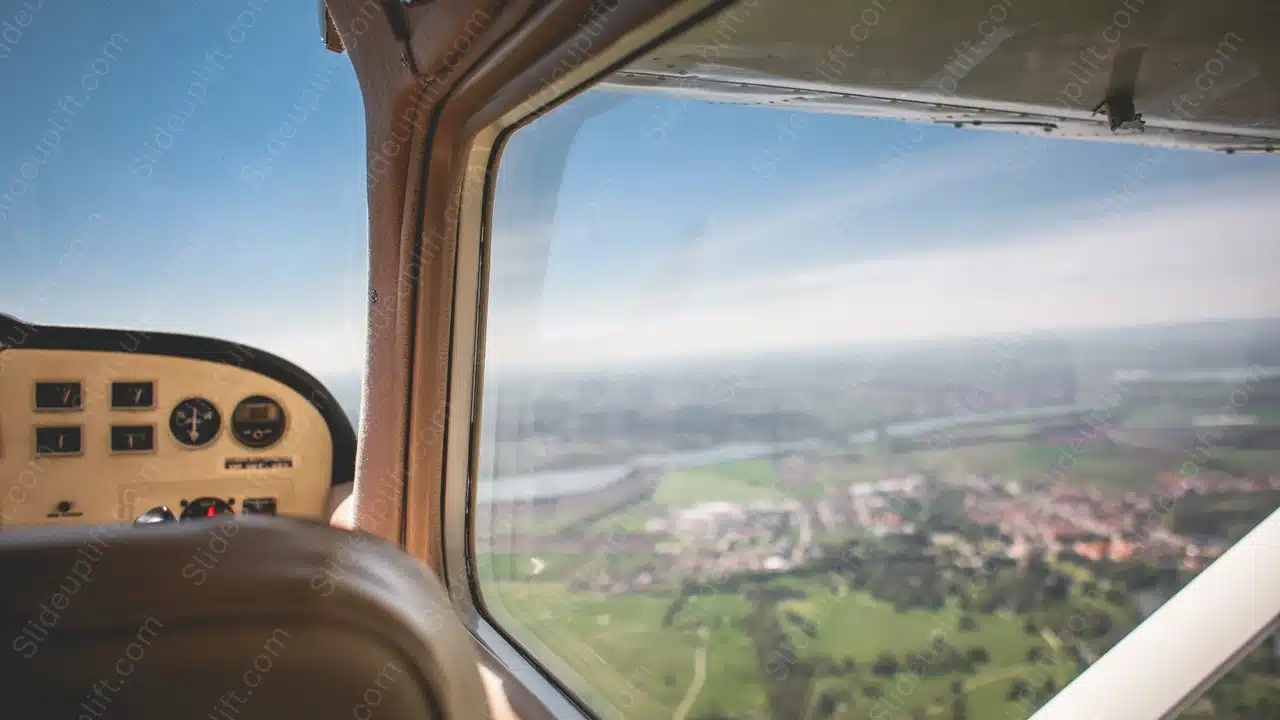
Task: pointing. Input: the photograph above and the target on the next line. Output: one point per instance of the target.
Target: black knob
(64, 506)
(158, 514)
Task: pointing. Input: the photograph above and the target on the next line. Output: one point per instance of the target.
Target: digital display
(258, 422)
(258, 412)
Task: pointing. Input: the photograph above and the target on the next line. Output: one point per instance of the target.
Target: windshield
(819, 416)
(185, 167)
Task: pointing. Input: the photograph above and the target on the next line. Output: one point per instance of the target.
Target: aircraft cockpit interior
(132, 459)
(114, 426)
(640, 360)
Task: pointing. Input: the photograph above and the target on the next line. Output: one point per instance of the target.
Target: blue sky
(205, 175)
(235, 207)
(826, 229)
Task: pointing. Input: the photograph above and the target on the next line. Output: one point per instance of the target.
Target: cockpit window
(802, 415)
(193, 168)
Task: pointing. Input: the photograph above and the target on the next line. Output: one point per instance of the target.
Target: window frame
(466, 354)
(1230, 622)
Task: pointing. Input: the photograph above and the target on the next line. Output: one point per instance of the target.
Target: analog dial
(205, 507)
(195, 422)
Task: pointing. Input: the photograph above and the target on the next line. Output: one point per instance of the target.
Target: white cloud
(901, 178)
(321, 331)
(322, 349)
(657, 285)
(1183, 258)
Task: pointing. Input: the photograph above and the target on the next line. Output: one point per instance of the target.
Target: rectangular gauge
(258, 506)
(133, 438)
(134, 395)
(59, 395)
(61, 440)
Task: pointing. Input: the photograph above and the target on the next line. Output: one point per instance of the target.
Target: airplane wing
(1202, 86)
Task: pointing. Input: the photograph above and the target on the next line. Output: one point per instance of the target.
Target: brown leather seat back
(237, 618)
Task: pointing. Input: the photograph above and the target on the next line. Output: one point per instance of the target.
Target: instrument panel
(90, 436)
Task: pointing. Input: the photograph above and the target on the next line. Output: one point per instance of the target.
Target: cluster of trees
(909, 574)
(1245, 693)
(673, 610)
(799, 687)
(807, 626)
(1020, 690)
(900, 571)
(788, 678)
(1023, 590)
(939, 659)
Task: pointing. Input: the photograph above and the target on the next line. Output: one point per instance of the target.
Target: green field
(1105, 466)
(628, 520)
(505, 567)
(854, 625)
(1169, 415)
(1230, 516)
(1255, 463)
(739, 482)
(615, 651)
(636, 656)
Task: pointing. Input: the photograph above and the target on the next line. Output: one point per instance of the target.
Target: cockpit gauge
(59, 396)
(133, 438)
(205, 507)
(59, 440)
(258, 422)
(195, 422)
(140, 395)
